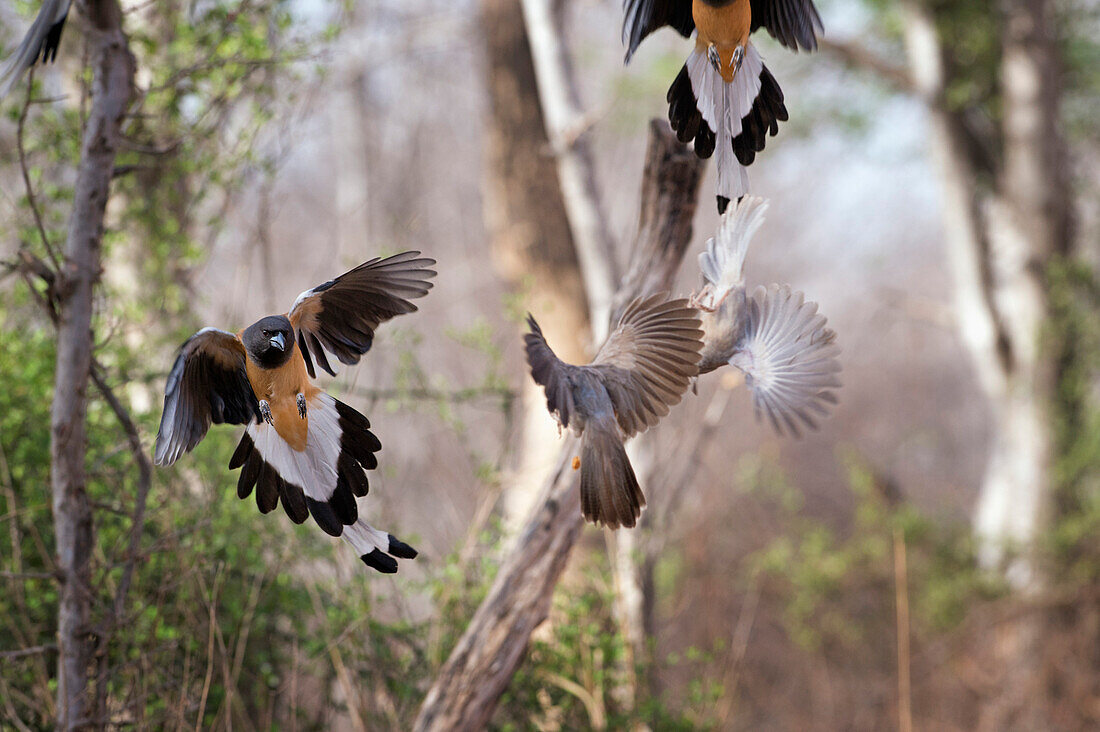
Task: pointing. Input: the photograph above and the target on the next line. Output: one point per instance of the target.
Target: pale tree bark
(566, 126)
(1029, 225)
(530, 237)
(1000, 237)
(479, 669)
(112, 80)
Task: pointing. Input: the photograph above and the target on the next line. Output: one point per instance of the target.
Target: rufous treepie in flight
(725, 99)
(301, 446)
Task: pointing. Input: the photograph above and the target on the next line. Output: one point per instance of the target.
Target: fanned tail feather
(724, 257)
(728, 119)
(376, 548)
(789, 359)
(40, 43)
(610, 494)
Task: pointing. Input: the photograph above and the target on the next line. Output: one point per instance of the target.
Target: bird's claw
(738, 59)
(301, 400)
(265, 412)
(714, 57)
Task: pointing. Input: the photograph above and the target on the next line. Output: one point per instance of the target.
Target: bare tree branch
(486, 657)
(564, 125)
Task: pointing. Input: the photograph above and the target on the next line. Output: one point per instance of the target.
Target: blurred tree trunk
(530, 237)
(1029, 225)
(1007, 204)
(1000, 244)
(112, 80)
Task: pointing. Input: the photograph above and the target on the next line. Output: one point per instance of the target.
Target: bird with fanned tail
(725, 99)
(774, 337)
(301, 447)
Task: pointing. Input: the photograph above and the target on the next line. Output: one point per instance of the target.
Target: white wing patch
(313, 469)
(364, 538)
(723, 106)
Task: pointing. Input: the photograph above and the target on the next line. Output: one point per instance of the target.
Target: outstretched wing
(648, 362)
(40, 42)
(550, 372)
(789, 359)
(642, 17)
(207, 384)
(794, 23)
(724, 257)
(340, 316)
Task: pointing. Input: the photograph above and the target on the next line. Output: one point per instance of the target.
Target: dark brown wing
(208, 384)
(341, 315)
(550, 372)
(642, 17)
(793, 23)
(648, 362)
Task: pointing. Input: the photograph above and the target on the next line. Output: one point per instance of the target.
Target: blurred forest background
(929, 559)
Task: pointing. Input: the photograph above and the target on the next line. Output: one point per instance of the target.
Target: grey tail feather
(610, 494)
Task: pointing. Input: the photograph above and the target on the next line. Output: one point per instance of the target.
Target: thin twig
(32, 651)
(31, 199)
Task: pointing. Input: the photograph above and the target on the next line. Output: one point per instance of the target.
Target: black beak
(278, 341)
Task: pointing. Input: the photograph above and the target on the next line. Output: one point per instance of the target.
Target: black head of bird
(301, 447)
(269, 341)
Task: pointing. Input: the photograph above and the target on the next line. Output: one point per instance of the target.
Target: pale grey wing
(642, 17)
(793, 23)
(724, 257)
(789, 359)
(207, 385)
(551, 373)
(340, 316)
(648, 362)
(40, 42)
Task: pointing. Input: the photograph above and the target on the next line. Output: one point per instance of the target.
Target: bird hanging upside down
(725, 99)
(301, 446)
(644, 368)
(777, 340)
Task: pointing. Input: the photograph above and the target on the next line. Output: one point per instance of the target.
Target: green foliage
(827, 579)
(1074, 333)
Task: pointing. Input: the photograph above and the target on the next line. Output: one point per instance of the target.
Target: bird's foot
(576, 462)
(301, 400)
(703, 300)
(265, 412)
(714, 57)
(738, 59)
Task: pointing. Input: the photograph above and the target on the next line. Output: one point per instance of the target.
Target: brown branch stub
(672, 175)
(480, 667)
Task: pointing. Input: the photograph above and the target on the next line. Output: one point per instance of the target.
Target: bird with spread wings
(642, 370)
(301, 447)
(724, 98)
(775, 338)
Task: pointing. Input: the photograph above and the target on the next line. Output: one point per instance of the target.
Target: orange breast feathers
(281, 387)
(727, 27)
